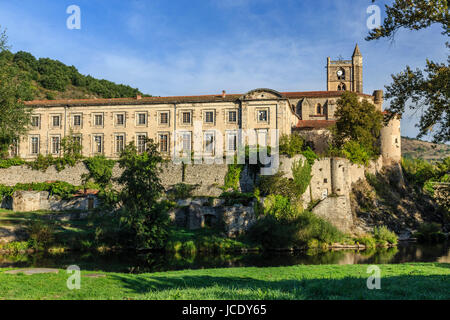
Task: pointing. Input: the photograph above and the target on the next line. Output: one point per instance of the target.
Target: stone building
(105, 126)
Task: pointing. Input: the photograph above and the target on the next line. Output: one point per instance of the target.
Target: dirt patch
(31, 271)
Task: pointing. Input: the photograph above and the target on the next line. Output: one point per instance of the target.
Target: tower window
(342, 87)
(319, 108)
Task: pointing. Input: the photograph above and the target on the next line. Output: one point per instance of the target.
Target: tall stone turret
(390, 138)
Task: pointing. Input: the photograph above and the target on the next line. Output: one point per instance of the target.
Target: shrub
(383, 234)
(310, 227)
(279, 207)
(235, 197)
(291, 145)
(6, 163)
(352, 151)
(306, 229)
(233, 176)
(15, 246)
(41, 234)
(430, 233)
(356, 153)
(173, 246)
(277, 184)
(418, 171)
(271, 233)
(189, 247)
(181, 191)
(367, 240)
(60, 188)
(310, 155)
(41, 162)
(100, 170)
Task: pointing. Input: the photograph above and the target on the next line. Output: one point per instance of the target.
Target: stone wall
(331, 183)
(26, 201)
(198, 213)
(209, 178)
(337, 210)
(331, 175)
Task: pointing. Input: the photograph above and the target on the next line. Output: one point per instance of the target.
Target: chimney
(138, 97)
(224, 94)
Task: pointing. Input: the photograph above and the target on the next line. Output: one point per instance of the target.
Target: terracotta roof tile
(175, 99)
(314, 124)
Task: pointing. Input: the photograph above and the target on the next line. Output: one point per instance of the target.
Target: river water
(155, 262)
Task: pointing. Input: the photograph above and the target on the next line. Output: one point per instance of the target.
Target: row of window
(142, 118)
(98, 142)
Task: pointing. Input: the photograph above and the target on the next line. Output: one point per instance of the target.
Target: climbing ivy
(100, 170)
(60, 188)
(301, 171)
(232, 177)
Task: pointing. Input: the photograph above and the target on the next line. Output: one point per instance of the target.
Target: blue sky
(187, 47)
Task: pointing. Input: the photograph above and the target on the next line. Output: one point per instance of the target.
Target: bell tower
(346, 74)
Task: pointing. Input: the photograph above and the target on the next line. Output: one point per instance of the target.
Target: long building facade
(105, 126)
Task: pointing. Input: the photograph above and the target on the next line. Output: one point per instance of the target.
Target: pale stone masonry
(105, 126)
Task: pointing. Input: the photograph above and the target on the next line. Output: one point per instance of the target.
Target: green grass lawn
(403, 281)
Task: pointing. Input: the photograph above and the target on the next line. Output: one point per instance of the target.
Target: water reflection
(154, 262)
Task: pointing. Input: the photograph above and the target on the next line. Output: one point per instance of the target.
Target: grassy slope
(425, 150)
(404, 281)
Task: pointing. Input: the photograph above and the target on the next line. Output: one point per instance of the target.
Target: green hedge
(60, 188)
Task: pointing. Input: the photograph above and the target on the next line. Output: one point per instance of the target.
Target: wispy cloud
(198, 47)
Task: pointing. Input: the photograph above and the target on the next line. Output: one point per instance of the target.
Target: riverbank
(401, 281)
(78, 231)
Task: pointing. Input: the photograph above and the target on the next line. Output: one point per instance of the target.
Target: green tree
(3, 40)
(14, 115)
(144, 218)
(426, 90)
(357, 121)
